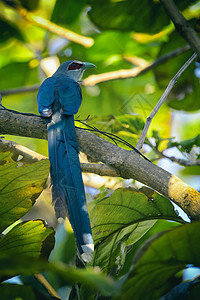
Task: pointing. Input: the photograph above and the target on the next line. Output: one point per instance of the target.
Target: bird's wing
(45, 97)
(69, 95)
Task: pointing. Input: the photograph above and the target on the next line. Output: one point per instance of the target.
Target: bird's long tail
(68, 193)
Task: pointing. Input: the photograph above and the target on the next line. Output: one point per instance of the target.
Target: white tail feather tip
(88, 250)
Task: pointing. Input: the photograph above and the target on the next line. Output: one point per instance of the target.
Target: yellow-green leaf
(20, 185)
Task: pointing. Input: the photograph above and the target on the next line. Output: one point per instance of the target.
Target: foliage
(142, 245)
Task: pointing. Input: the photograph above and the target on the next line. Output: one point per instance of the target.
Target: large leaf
(143, 16)
(121, 220)
(31, 239)
(23, 245)
(154, 273)
(89, 277)
(70, 13)
(20, 185)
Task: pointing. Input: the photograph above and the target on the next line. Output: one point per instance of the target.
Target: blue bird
(59, 99)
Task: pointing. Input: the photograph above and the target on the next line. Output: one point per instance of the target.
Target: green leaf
(156, 272)
(126, 127)
(16, 292)
(29, 239)
(25, 248)
(121, 220)
(123, 15)
(20, 185)
(8, 31)
(88, 277)
(25, 75)
(113, 46)
(186, 145)
(69, 14)
(160, 225)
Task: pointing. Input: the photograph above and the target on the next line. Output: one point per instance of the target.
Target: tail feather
(68, 193)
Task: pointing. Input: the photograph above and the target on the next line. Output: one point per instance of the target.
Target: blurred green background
(114, 35)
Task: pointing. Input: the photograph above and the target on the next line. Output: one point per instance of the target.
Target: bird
(59, 98)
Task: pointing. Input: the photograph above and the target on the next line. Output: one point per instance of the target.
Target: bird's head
(74, 69)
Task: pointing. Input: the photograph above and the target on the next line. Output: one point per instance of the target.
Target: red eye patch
(74, 66)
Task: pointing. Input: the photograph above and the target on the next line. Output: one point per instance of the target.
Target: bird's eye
(74, 66)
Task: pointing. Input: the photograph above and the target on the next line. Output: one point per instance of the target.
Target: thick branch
(182, 25)
(128, 164)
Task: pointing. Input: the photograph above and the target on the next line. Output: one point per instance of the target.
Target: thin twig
(30, 156)
(134, 72)
(180, 161)
(42, 280)
(52, 27)
(46, 24)
(20, 90)
(162, 99)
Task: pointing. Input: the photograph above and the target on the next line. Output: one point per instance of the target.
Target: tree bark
(128, 164)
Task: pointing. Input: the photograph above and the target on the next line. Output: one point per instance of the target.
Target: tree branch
(46, 285)
(134, 72)
(31, 156)
(128, 164)
(182, 25)
(180, 161)
(95, 79)
(52, 27)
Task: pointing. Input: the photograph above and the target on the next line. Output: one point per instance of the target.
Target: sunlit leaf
(20, 185)
(23, 245)
(29, 239)
(159, 226)
(121, 220)
(154, 273)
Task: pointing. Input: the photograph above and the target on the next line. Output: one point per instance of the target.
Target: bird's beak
(87, 65)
